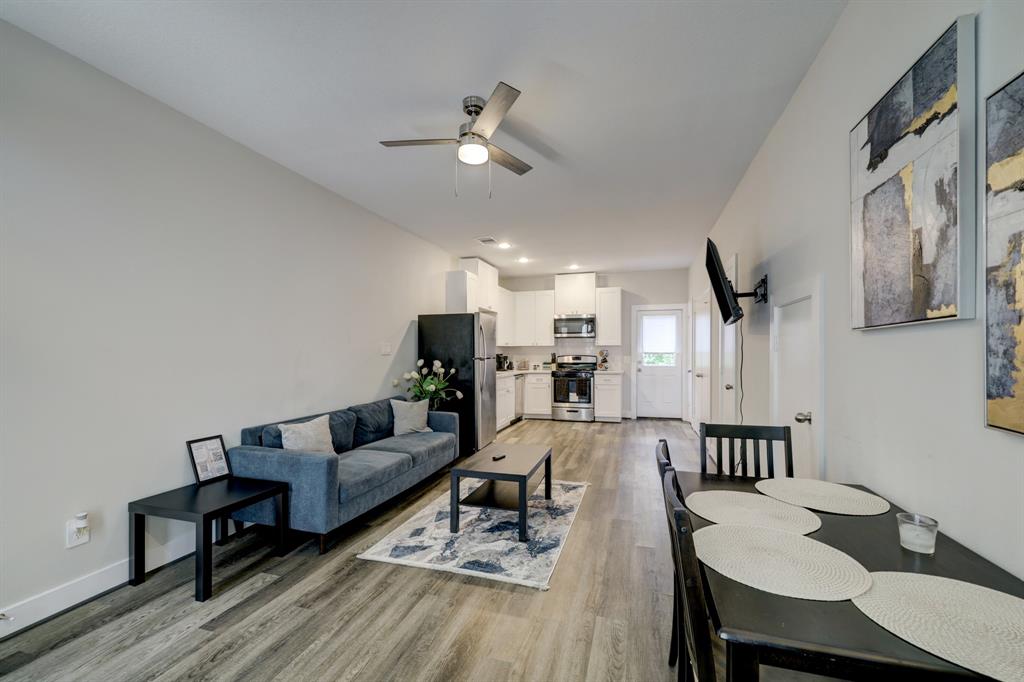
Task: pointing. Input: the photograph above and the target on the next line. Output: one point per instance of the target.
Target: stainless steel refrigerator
(465, 341)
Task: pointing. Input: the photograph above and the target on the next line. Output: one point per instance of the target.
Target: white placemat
(751, 509)
(823, 496)
(781, 563)
(972, 626)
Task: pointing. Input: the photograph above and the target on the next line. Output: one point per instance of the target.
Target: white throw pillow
(311, 436)
(410, 417)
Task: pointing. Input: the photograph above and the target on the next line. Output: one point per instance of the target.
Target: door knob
(699, 375)
(802, 417)
(728, 387)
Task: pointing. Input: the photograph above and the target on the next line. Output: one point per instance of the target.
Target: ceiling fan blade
(503, 158)
(497, 106)
(416, 143)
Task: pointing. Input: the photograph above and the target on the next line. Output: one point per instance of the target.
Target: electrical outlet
(75, 536)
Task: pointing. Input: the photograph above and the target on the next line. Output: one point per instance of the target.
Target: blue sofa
(370, 465)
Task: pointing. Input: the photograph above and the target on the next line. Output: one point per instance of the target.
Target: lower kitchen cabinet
(537, 402)
(505, 405)
(607, 397)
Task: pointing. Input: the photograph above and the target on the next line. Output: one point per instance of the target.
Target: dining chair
(756, 434)
(663, 458)
(691, 631)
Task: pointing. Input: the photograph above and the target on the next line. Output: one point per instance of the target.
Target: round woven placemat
(823, 496)
(751, 509)
(782, 563)
(972, 626)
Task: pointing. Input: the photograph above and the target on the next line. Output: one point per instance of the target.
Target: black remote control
(495, 458)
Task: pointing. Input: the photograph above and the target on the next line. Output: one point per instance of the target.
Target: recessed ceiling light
(524, 259)
(574, 267)
(504, 245)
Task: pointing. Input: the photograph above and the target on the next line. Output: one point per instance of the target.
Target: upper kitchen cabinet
(535, 318)
(609, 316)
(506, 321)
(461, 292)
(487, 281)
(575, 294)
(544, 314)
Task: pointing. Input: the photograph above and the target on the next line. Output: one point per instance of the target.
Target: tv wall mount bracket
(760, 292)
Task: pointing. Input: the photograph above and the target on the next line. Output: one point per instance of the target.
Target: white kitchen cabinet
(506, 321)
(487, 281)
(544, 318)
(505, 407)
(609, 316)
(535, 318)
(575, 294)
(460, 292)
(607, 397)
(526, 306)
(537, 401)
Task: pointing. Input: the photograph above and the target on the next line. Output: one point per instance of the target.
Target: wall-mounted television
(725, 294)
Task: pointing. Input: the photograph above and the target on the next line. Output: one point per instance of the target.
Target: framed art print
(912, 189)
(209, 459)
(1004, 257)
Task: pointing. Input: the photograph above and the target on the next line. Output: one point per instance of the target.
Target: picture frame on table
(209, 459)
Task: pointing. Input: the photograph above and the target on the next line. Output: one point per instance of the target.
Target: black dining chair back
(743, 433)
(663, 458)
(691, 604)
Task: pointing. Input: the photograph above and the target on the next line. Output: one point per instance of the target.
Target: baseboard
(58, 599)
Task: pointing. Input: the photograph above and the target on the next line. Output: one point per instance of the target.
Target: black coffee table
(520, 462)
(202, 504)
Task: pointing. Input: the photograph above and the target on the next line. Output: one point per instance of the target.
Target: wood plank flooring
(607, 615)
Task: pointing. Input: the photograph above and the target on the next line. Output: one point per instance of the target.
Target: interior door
(659, 370)
(796, 377)
(726, 386)
(702, 359)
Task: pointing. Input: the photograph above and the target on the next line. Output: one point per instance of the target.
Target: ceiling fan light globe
(472, 153)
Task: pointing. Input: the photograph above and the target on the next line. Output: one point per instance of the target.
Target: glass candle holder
(917, 532)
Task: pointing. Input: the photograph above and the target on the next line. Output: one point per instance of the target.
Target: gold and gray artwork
(904, 156)
(1004, 262)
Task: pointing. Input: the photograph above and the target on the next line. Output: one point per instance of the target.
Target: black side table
(202, 504)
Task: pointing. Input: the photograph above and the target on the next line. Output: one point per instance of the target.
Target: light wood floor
(607, 615)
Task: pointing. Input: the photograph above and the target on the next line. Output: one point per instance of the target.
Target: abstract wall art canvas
(911, 199)
(1004, 256)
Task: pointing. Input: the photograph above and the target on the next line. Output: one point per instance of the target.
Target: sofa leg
(323, 544)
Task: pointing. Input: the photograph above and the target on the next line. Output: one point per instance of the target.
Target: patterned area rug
(487, 544)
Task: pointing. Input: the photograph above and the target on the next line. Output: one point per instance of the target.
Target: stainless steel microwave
(575, 326)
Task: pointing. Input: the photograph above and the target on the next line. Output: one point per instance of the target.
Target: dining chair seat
(738, 461)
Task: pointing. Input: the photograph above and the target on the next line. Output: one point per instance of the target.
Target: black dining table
(835, 638)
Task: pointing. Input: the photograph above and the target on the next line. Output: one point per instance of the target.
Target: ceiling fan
(474, 135)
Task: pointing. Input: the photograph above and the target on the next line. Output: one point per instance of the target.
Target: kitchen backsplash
(540, 354)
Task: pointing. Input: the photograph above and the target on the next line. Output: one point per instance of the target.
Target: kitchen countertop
(513, 372)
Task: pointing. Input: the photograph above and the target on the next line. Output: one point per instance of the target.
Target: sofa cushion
(342, 423)
(373, 421)
(410, 416)
(434, 448)
(360, 471)
(311, 436)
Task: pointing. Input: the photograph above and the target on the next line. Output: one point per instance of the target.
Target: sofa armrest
(445, 421)
(312, 479)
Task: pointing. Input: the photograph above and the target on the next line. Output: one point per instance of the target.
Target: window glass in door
(658, 336)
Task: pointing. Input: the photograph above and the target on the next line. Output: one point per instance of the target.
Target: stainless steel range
(572, 388)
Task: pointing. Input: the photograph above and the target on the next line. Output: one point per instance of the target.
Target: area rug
(487, 544)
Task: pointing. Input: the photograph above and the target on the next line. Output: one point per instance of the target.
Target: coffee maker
(502, 362)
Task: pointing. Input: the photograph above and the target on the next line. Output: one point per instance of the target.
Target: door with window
(659, 365)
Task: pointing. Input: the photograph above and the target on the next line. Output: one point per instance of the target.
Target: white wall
(904, 407)
(159, 283)
(641, 287)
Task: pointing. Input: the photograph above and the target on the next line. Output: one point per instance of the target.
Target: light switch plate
(74, 537)
(385, 349)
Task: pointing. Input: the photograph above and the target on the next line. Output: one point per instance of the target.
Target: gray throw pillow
(410, 417)
(311, 436)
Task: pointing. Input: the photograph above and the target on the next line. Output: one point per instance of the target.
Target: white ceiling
(639, 118)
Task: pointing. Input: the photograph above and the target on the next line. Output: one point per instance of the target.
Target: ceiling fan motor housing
(467, 137)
